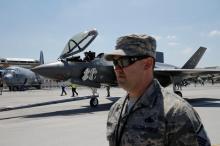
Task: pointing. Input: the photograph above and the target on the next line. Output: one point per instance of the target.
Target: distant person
(63, 86)
(195, 82)
(149, 115)
(1, 86)
(73, 87)
(89, 56)
(108, 91)
(212, 81)
(178, 86)
(94, 91)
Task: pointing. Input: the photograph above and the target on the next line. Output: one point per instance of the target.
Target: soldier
(148, 115)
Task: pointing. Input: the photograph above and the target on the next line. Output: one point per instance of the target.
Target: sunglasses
(127, 60)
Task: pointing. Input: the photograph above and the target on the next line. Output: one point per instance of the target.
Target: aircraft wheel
(94, 102)
(179, 93)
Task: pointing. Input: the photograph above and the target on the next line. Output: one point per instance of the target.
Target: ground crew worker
(149, 115)
(73, 87)
(108, 90)
(63, 86)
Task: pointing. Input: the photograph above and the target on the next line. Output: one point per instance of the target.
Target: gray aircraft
(19, 78)
(94, 71)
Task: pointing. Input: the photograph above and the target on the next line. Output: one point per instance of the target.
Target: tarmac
(43, 117)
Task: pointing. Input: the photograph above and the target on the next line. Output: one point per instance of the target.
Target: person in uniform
(148, 115)
(73, 88)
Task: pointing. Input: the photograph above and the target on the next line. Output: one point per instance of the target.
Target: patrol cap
(134, 45)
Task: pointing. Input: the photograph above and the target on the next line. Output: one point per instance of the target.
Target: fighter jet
(94, 71)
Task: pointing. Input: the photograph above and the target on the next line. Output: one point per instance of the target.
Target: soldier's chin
(122, 84)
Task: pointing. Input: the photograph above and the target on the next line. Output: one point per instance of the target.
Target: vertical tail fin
(195, 58)
(159, 57)
(41, 57)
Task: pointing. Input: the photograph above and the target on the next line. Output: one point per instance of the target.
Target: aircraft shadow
(72, 112)
(44, 103)
(204, 102)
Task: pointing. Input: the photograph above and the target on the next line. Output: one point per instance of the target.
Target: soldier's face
(129, 77)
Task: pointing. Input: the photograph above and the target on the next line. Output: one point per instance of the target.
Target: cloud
(214, 33)
(187, 51)
(173, 44)
(157, 37)
(171, 37)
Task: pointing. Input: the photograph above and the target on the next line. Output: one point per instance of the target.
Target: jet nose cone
(49, 70)
(36, 69)
(41, 69)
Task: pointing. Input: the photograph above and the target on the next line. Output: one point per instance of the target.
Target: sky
(179, 26)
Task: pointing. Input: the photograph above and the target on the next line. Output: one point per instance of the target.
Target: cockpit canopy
(78, 43)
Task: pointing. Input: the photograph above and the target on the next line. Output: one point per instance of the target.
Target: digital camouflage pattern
(134, 45)
(158, 118)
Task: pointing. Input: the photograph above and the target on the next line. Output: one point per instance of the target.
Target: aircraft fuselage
(92, 73)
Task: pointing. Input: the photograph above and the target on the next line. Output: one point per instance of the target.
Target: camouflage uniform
(158, 118)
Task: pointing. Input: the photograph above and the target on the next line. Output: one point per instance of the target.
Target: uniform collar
(149, 96)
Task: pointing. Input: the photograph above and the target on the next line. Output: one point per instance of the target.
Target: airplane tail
(41, 57)
(159, 57)
(195, 58)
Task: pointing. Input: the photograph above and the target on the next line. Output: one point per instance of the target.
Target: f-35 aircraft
(94, 71)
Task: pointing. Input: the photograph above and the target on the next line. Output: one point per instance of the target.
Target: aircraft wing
(175, 75)
(185, 72)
